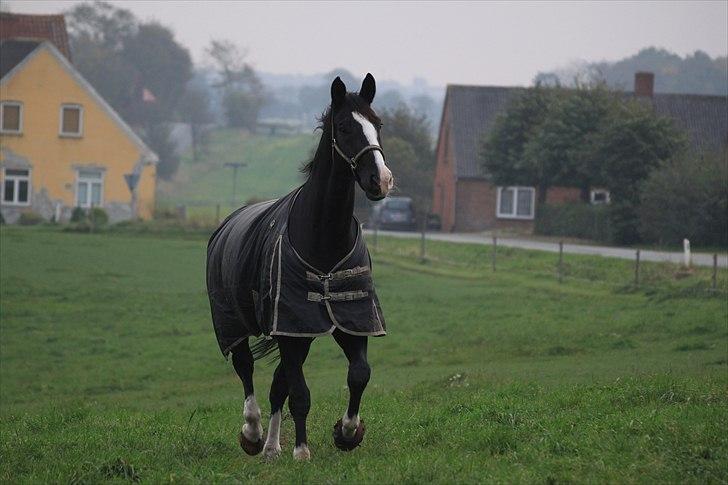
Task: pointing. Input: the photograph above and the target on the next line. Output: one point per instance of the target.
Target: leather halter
(352, 161)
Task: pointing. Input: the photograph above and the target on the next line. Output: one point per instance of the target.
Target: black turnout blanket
(259, 285)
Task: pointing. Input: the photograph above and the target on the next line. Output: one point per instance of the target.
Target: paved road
(610, 252)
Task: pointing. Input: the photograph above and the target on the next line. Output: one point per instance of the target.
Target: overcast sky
(495, 43)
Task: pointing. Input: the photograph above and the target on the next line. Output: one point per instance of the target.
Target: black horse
(295, 268)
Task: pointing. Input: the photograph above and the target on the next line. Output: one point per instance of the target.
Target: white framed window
(599, 196)
(71, 122)
(11, 117)
(516, 202)
(16, 186)
(90, 188)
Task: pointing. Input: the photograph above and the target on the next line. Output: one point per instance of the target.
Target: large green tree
(581, 137)
(243, 93)
(121, 57)
(409, 152)
(503, 152)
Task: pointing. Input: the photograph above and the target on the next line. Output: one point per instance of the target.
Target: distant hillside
(693, 74)
(271, 171)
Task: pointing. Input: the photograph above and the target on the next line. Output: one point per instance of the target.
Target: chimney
(644, 84)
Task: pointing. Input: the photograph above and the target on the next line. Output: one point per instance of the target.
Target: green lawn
(271, 171)
(109, 370)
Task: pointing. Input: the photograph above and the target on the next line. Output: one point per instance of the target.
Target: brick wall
(443, 187)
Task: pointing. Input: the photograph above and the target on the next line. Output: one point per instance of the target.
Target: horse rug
(258, 284)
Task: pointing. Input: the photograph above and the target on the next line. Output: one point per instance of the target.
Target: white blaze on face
(370, 132)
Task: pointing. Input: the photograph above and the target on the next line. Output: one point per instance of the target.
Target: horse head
(355, 137)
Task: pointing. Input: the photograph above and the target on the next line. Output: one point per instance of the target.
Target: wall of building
(443, 186)
(43, 85)
(476, 202)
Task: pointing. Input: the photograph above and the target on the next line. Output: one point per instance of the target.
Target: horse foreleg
(278, 395)
(251, 434)
(294, 351)
(349, 432)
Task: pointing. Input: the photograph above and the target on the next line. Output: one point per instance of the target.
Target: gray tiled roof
(12, 53)
(474, 109)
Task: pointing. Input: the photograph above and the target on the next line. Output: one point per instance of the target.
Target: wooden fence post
(715, 271)
(495, 246)
(637, 269)
(561, 261)
(423, 256)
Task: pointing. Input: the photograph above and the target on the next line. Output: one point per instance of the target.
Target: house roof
(473, 111)
(146, 153)
(36, 27)
(12, 53)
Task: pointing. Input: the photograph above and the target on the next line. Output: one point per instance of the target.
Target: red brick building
(465, 199)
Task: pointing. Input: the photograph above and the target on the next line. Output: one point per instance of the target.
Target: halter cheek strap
(352, 161)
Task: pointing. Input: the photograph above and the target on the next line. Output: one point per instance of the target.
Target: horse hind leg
(278, 395)
(349, 430)
(294, 351)
(251, 434)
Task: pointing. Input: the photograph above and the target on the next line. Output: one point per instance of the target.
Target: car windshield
(398, 205)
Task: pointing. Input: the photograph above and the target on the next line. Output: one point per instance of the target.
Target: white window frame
(89, 181)
(4, 131)
(594, 192)
(16, 182)
(515, 214)
(67, 134)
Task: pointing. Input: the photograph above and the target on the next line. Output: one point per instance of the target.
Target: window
(89, 188)
(16, 187)
(599, 196)
(11, 117)
(71, 120)
(516, 202)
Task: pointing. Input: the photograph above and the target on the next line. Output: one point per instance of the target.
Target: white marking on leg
(349, 425)
(272, 447)
(252, 429)
(301, 452)
(386, 181)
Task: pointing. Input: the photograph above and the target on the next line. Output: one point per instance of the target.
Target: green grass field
(271, 171)
(109, 370)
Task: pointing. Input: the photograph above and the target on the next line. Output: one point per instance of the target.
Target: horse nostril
(374, 180)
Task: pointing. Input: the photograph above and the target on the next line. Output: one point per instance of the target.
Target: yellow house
(61, 145)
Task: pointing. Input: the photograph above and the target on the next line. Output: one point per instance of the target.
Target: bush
(687, 198)
(583, 221)
(98, 216)
(90, 220)
(30, 218)
(78, 214)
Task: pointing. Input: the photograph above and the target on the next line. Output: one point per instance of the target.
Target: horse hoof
(301, 453)
(249, 447)
(347, 444)
(271, 452)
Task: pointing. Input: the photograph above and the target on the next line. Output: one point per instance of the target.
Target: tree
(163, 66)
(582, 137)
(503, 151)
(633, 143)
(562, 148)
(121, 57)
(687, 197)
(242, 91)
(194, 109)
(408, 146)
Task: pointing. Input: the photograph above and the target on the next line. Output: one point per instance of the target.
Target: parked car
(394, 213)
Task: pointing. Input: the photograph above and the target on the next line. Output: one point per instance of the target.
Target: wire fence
(486, 254)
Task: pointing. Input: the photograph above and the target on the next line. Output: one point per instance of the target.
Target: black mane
(356, 103)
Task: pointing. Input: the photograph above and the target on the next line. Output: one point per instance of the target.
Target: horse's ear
(368, 88)
(338, 92)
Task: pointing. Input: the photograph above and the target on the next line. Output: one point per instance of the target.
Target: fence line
(560, 262)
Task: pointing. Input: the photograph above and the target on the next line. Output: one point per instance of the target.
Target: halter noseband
(352, 161)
